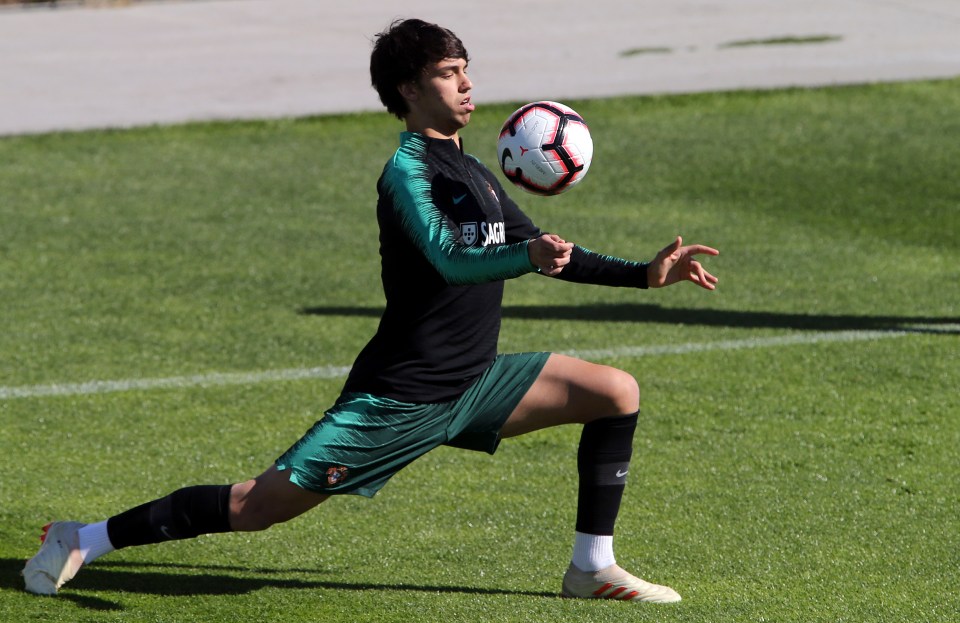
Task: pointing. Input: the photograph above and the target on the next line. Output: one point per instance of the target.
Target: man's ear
(408, 91)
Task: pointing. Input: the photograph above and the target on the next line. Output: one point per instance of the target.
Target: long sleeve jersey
(449, 237)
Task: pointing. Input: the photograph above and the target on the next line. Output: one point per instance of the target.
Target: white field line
(217, 379)
(214, 379)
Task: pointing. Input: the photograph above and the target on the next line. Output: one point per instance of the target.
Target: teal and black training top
(449, 236)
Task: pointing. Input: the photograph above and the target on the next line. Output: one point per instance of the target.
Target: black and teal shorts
(364, 439)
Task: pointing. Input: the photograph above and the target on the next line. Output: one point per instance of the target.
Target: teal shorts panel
(363, 440)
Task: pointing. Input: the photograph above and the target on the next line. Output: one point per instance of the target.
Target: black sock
(184, 514)
(603, 459)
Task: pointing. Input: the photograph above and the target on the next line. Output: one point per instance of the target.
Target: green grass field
(797, 458)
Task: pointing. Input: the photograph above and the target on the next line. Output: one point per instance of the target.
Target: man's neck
(429, 130)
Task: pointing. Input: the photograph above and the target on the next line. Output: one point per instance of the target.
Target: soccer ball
(545, 148)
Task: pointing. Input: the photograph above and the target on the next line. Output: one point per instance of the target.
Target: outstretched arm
(676, 262)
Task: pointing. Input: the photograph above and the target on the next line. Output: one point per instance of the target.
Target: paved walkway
(171, 61)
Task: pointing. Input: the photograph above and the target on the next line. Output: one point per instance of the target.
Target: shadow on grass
(172, 579)
(635, 312)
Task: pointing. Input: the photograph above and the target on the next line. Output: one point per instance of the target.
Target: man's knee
(623, 392)
(246, 514)
(252, 508)
(268, 500)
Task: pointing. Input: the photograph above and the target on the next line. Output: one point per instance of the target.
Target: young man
(431, 374)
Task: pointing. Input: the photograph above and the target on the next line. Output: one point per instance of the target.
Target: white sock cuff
(592, 552)
(94, 541)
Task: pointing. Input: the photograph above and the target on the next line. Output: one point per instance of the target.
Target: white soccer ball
(545, 148)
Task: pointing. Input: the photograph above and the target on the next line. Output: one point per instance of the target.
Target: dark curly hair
(402, 52)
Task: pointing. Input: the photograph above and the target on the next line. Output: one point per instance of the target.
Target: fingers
(698, 274)
(550, 253)
(676, 251)
(556, 263)
(671, 249)
(701, 277)
(693, 271)
(699, 249)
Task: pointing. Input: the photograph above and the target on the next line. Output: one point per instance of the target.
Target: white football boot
(614, 583)
(57, 561)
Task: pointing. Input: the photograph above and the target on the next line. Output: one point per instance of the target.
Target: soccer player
(431, 374)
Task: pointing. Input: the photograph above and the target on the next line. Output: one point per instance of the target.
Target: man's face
(440, 100)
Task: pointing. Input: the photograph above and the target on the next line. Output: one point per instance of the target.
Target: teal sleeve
(406, 182)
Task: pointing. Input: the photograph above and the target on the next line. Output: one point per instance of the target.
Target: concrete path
(77, 67)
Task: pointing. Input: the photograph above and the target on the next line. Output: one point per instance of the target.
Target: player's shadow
(172, 579)
(650, 313)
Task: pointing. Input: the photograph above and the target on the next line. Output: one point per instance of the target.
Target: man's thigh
(572, 391)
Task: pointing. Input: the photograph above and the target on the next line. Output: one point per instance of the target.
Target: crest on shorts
(469, 231)
(336, 475)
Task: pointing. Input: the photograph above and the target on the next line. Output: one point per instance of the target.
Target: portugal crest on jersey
(335, 475)
(469, 233)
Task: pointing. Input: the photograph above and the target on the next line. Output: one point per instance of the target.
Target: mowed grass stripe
(760, 342)
(217, 379)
